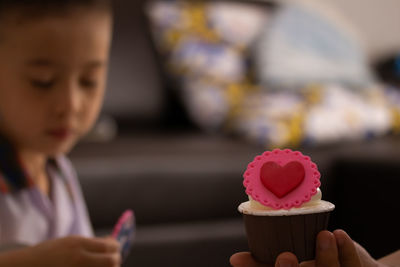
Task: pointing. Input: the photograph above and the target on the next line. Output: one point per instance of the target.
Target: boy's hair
(37, 8)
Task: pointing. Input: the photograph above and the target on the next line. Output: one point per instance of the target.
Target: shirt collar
(13, 176)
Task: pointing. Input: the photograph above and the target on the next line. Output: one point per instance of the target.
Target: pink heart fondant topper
(281, 179)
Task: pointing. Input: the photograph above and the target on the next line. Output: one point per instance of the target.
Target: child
(53, 64)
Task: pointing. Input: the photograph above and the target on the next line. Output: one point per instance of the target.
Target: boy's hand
(335, 249)
(77, 251)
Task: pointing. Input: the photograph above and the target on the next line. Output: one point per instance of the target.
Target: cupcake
(285, 211)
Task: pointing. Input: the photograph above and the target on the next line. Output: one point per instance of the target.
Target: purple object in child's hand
(124, 232)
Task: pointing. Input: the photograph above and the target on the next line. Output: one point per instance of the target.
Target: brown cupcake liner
(268, 236)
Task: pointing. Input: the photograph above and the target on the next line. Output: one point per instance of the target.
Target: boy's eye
(88, 83)
(42, 84)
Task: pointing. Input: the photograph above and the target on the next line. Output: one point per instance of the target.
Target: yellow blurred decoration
(396, 120)
(296, 129)
(195, 14)
(313, 93)
(172, 38)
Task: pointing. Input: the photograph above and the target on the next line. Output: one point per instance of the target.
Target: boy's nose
(68, 100)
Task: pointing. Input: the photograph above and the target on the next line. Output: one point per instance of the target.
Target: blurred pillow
(206, 48)
(309, 43)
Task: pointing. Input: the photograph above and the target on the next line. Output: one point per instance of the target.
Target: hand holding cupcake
(285, 218)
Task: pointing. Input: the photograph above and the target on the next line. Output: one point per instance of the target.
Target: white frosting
(315, 205)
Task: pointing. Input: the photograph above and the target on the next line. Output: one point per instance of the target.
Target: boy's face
(52, 78)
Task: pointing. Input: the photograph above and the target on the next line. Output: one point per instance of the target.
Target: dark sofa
(185, 185)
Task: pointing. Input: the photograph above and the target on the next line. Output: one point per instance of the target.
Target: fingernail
(284, 263)
(324, 242)
(340, 238)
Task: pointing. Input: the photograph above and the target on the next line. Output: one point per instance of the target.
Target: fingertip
(116, 259)
(232, 259)
(341, 237)
(243, 259)
(347, 249)
(113, 245)
(340, 232)
(325, 240)
(237, 258)
(288, 255)
(325, 233)
(326, 253)
(286, 259)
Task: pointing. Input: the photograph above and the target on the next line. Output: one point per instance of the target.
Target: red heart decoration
(282, 180)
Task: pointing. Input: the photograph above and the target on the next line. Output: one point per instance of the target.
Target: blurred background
(197, 89)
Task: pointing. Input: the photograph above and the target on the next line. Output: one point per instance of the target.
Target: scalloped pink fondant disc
(276, 179)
